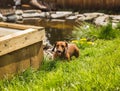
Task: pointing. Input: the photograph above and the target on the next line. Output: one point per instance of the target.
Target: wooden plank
(7, 31)
(37, 55)
(20, 39)
(18, 26)
(20, 60)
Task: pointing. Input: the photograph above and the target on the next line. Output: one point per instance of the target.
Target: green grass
(93, 32)
(97, 69)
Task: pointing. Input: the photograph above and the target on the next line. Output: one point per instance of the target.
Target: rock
(115, 21)
(114, 25)
(60, 14)
(57, 16)
(4, 18)
(72, 17)
(9, 13)
(48, 54)
(82, 18)
(37, 14)
(11, 18)
(19, 18)
(57, 20)
(115, 17)
(30, 15)
(64, 12)
(88, 16)
(102, 20)
(79, 15)
(14, 18)
(1, 17)
(94, 14)
(47, 49)
(18, 12)
(91, 16)
(32, 11)
(45, 14)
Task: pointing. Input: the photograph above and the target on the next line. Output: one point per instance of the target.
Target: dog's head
(61, 47)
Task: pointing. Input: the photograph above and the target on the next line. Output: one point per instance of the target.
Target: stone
(79, 15)
(18, 12)
(60, 14)
(102, 20)
(94, 14)
(44, 14)
(91, 16)
(12, 18)
(57, 20)
(30, 15)
(1, 17)
(114, 25)
(32, 11)
(115, 21)
(88, 16)
(72, 17)
(115, 17)
(64, 12)
(82, 18)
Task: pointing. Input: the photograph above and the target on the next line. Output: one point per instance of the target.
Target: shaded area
(87, 4)
(55, 29)
(72, 4)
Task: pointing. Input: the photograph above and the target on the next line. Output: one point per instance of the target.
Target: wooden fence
(87, 4)
(78, 4)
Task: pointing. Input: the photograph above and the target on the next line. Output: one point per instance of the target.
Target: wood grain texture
(18, 26)
(88, 4)
(20, 39)
(77, 4)
(20, 60)
(20, 50)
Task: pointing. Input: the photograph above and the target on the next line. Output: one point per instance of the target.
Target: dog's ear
(54, 46)
(66, 44)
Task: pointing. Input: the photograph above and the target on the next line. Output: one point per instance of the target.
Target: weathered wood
(20, 39)
(87, 4)
(20, 60)
(6, 31)
(20, 50)
(18, 26)
(74, 4)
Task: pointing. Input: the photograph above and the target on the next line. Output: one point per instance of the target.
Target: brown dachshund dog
(63, 50)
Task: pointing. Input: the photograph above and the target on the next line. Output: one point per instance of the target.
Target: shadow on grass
(48, 65)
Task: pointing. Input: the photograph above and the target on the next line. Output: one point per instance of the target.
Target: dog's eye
(62, 46)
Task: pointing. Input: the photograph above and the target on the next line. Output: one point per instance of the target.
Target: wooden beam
(18, 26)
(20, 39)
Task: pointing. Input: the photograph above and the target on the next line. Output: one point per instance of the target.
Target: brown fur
(64, 50)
